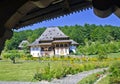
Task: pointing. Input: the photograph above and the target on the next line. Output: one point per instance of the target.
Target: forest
(92, 38)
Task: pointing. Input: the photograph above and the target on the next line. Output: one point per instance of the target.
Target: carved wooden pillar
(2, 31)
(4, 35)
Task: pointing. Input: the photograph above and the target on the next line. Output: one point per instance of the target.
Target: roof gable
(48, 37)
(23, 43)
(74, 42)
(51, 33)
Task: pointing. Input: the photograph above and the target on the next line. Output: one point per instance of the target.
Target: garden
(110, 76)
(27, 68)
(99, 48)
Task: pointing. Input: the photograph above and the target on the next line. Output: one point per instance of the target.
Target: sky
(80, 18)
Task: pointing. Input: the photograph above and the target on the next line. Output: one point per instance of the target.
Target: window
(65, 45)
(61, 45)
(42, 49)
(45, 49)
(33, 49)
(50, 49)
(36, 48)
(57, 45)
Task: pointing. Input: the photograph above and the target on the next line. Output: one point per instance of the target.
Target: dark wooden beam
(8, 8)
(52, 11)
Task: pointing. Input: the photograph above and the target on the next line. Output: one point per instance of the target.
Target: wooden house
(23, 44)
(52, 42)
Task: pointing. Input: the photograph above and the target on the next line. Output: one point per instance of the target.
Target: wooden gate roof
(20, 13)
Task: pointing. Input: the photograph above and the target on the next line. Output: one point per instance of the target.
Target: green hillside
(86, 35)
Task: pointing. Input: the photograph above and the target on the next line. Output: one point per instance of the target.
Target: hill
(81, 34)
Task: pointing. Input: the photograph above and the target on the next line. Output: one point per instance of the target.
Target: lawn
(104, 80)
(23, 71)
(91, 79)
(48, 68)
(26, 70)
(111, 55)
(114, 55)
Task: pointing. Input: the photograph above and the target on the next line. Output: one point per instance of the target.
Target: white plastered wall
(35, 51)
(62, 51)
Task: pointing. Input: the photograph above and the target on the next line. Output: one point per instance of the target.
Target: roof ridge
(49, 34)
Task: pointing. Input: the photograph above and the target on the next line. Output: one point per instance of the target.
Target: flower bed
(61, 69)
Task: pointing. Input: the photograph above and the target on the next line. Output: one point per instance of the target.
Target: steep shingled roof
(50, 33)
(21, 45)
(36, 42)
(74, 42)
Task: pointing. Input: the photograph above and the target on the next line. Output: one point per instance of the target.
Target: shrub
(102, 56)
(115, 72)
(44, 74)
(12, 55)
(28, 56)
(38, 76)
(97, 47)
(64, 68)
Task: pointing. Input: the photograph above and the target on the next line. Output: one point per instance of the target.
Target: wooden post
(6, 35)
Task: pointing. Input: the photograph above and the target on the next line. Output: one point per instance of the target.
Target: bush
(102, 56)
(44, 74)
(64, 68)
(12, 55)
(28, 56)
(115, 73)
(38, 76)
(97, 48)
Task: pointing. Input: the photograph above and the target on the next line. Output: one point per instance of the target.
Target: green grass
(113, 55)
(26, 70)
(104, 80)
(89, 79)
(19, 71)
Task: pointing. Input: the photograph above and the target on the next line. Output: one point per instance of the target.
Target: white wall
(62, 51)
(35, 51)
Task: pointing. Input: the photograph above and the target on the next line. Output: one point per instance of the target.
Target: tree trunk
(13, 61)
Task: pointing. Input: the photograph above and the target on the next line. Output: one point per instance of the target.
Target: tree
(94, 33)
(12, 55)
